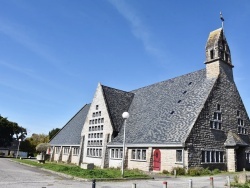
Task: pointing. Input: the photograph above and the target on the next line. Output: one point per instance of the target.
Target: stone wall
(202, 137)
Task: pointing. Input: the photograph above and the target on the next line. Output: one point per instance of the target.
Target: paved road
(14, 175)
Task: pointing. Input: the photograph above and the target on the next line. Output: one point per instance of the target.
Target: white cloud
(139, 29)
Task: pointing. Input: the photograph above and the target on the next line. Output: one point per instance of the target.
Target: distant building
(194, 120)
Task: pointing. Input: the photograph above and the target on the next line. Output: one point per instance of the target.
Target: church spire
(218, 56)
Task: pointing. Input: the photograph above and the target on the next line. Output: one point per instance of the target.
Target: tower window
(238, 113)
(218, 107)
(212, 54)
(96, 107)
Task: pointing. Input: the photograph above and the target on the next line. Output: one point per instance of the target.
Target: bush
(216, 171)
(197, 171)
(165, 172)
(42, 147)
(179, 171)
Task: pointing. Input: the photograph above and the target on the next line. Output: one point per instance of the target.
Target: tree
(30, 143)
(9, 131)
(42, 147)
(53, 132)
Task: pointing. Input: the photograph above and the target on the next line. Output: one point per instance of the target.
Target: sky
(53, 53)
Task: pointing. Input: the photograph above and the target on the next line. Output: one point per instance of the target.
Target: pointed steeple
(218, 56)
(217, 47)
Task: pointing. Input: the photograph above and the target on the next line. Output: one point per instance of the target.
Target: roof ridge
(168, 80)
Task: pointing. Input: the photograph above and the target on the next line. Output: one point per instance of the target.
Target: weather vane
(222, 20)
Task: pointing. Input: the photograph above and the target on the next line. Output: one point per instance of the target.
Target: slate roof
(117, 101)
(234, 140)
(164, 113)
(70, 134)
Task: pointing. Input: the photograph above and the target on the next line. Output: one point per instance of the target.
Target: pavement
(15, 175)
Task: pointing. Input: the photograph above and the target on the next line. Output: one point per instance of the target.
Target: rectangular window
(179, 156)
(76, 150)
(116, 153)
(212, 156)
(211, 54)
(96, 107)
(66, 150)
(238, 113)
(57, 150)
(138, 154)
(241, 127)
(218, 107)
(133, 154)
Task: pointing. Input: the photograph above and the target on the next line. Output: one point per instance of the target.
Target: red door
(157, 160)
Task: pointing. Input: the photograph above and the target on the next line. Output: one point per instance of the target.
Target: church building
(194, 120)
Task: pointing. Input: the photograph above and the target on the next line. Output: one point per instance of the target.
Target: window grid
(138, 154)
(241, 127)
(217, 119)
(94, 152)
(66, 150)
(212, 156)
(116, 153)
(76, 150)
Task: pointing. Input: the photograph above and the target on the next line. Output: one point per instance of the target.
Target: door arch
(157, 160)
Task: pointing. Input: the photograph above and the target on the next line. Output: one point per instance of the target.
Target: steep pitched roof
(164, 113)
(117, 101)
(234, 140)
(213, 38)
(70, 134)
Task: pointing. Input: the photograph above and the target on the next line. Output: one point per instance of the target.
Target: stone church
(194, 120)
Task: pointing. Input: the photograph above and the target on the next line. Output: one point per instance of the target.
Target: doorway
(157, 160)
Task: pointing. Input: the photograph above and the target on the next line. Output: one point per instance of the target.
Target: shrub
(179, 171)
(42, 147)
(165, 172)
(216, 171)
(195, 171)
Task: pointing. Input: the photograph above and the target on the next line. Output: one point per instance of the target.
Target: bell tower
(218, 56)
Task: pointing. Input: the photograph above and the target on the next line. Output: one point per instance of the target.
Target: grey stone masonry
(203, 137)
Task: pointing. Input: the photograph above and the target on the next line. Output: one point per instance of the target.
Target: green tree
(53, 132)
(30, 143)
(9, 131)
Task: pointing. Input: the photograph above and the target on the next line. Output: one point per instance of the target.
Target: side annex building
(194, 120)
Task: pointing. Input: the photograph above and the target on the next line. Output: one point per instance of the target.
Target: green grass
(76, 171)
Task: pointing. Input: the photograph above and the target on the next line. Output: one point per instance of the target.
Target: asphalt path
(15, 175)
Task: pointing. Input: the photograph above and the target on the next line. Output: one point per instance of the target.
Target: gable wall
(107, 129)
(202, 137)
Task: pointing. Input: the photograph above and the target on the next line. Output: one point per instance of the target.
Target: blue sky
(53, 53)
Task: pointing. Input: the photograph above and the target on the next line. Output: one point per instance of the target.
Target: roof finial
(222, 20)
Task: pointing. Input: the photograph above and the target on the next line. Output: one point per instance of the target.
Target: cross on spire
(222, 20)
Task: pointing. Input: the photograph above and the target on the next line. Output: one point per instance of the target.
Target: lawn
(76, 171)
